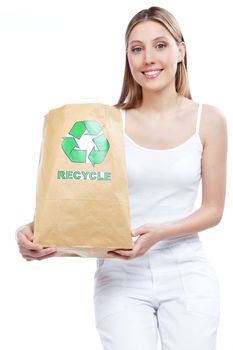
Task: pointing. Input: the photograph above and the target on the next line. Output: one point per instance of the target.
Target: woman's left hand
(148, 234)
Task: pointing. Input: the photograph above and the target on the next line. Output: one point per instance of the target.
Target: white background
(57, 52)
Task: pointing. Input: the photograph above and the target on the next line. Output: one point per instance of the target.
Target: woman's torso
(163, 181)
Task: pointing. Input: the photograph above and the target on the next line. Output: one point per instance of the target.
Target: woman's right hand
(28, 249)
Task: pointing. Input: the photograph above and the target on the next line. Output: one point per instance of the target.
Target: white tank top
(163, 183)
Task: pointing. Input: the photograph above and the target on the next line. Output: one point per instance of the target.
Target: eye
(136, 49)
(161, 45)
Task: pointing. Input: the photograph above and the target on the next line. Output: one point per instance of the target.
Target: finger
(116, 255)
(37, 254)
(44, 252)
(133, 253)
(135, 232)
(26, 243)
(52, 255)
(29, 258)
(139, 246)
(124, 253)
(26, 231)
(141, 230)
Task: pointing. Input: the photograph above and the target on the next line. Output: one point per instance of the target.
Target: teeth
(155, 72)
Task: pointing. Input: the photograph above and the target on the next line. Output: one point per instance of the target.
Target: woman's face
(153, 55)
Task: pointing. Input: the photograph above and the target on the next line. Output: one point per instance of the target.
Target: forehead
(148, 30)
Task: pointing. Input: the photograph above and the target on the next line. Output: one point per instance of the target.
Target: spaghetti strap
(198, 118)
(197, 122)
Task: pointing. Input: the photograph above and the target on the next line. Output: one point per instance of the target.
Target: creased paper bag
(82, 204)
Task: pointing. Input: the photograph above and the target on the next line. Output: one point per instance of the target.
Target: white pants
(172, 290)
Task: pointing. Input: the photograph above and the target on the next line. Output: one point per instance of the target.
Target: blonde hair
(131, 91)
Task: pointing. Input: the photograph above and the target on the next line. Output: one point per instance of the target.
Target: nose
(149, 57)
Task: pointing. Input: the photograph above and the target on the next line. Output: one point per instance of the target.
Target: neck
(160, 103)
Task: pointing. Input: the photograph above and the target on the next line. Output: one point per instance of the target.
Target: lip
(152, 70)
(156, 74)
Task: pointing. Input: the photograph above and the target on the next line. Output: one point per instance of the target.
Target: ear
(181, 51)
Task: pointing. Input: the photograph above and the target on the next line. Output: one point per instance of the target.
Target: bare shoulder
(213, 124)
(213, 114)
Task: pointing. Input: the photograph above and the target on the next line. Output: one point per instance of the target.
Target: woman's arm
(214, 164)
(214, 161)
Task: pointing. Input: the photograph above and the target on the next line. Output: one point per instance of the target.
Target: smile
(151, 74)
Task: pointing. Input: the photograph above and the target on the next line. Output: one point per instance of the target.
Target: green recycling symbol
(101, 145)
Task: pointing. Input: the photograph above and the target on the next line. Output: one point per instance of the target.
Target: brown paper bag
(82, 204)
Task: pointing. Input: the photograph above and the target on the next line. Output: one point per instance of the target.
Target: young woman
(165, 285)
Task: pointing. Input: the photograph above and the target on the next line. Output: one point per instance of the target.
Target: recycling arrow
(102, 144)
(68, 146)
(71, 147)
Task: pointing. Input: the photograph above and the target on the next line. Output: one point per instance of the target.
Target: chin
(156, 88)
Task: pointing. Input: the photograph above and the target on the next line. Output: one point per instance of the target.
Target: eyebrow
(158, 38)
